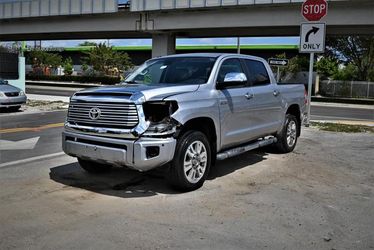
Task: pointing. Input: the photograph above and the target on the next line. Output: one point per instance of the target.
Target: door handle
(248, 96)
(276, 93)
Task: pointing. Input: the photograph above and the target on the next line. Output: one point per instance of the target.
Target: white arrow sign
(19, 145)
(278, 62)
(312, 37)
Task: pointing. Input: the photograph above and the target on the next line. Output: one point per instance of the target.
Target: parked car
(11, 97)
(185, 111)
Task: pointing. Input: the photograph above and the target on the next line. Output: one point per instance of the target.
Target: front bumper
(119, 152)
(6, 102)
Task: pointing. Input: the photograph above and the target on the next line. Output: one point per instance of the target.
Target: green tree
(68, 66)
(106, 61)
(87, 43)
(355, 50)
(327, 67)
(41, 60)
(3, 49)
(346, 73)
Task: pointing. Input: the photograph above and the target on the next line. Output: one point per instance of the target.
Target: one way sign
(312, 37)
(278, 62)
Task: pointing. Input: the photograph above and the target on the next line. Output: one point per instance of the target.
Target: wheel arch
(205, 125)
(294, 110)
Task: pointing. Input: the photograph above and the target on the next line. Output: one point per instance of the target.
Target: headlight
(2, 94)
(21, 93)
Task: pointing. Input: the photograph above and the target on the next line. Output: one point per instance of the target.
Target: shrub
(68, 66)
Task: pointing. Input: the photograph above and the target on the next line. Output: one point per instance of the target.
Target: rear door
(234, 105)
(266, 112)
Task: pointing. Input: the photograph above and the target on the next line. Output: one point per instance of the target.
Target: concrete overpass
(270, 18)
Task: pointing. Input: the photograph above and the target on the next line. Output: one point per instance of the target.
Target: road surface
(318, 197)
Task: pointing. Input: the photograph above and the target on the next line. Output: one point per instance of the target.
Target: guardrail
(144, 5)
(36, 8)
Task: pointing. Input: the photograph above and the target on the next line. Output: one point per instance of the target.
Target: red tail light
(305, 97)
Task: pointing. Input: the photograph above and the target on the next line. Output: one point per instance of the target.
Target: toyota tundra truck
(185, 112)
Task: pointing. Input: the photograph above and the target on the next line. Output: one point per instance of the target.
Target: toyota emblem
(94, 113)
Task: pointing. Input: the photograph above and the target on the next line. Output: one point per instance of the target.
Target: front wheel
(190, 166)
(287, 138)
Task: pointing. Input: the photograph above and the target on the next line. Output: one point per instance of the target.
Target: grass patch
(338, 127)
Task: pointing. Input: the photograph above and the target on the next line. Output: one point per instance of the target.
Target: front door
(234, 104)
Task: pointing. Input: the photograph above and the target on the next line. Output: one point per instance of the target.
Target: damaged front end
(158, 116)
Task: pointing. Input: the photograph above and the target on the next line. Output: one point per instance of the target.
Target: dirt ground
(321, 196)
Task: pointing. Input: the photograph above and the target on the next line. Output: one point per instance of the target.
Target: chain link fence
(352, 89)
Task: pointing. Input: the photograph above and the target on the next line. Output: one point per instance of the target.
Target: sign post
(312, 38)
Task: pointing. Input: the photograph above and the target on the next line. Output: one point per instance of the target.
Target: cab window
(258, 74)
(229, 66)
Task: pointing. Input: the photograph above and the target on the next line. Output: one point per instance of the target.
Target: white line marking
(41, 157)
(342, 118)
(19, 145)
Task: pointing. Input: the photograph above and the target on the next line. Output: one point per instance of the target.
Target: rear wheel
(94, 167)
(287, 138)
(190, 166)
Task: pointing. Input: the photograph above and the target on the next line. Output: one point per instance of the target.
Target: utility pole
(238, 44)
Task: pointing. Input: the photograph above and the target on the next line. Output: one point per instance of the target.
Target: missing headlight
(158, 111)
(158, 114)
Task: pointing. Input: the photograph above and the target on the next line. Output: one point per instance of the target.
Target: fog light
(152, 151)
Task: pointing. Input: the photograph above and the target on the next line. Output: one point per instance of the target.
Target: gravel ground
(35, 106)
(318, 197)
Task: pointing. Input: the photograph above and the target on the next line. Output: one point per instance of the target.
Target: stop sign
(314, 10)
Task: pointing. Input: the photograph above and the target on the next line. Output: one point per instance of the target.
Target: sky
(190, 41)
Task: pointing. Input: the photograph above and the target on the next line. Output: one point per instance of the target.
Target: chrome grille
(111, 115)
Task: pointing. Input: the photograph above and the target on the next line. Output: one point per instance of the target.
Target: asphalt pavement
(44, 127)
(318, 197)
(321, 196)
(46, 90)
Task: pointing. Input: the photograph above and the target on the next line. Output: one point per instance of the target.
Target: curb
(343, 105)
(346, 122)
(343, 100)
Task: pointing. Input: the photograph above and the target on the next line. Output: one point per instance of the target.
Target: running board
(239, 150)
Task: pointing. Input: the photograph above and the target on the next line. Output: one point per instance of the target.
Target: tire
(287, 138)
(94, 167)
(14, 109)
(190, 168)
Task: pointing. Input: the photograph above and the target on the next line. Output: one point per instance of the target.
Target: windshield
(173, 70)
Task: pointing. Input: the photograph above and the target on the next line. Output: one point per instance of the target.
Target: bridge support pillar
(163, 44)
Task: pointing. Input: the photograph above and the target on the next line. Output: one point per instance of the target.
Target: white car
(11, 97)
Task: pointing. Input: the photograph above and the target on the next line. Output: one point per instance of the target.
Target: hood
(152, 92)
(8, 88)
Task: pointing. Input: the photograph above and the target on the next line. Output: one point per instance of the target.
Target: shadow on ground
(126, 183)
(10, 110)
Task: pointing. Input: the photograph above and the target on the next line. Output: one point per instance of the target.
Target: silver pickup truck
(185, 111)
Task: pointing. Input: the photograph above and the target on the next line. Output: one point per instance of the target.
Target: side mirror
(232, 79)
(5, 82)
